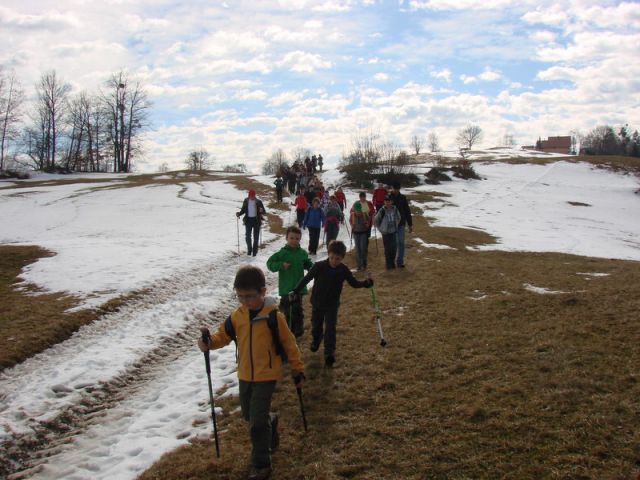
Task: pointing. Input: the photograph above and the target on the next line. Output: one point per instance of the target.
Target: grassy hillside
(482, 376)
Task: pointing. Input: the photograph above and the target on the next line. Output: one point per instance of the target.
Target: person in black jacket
(254, 212)
(328, 276)
(402, 204)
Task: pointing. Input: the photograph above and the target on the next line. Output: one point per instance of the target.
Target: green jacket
(299, 262)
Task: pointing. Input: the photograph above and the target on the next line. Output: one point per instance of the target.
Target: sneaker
(314, 346)
(275, 435)
(259, 473)
(329, 361)
(401, 265)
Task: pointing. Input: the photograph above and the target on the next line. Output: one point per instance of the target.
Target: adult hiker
(387, 220)
(254, 212)
(328, 277)
(360, 218)
(402, 204)
(263, 339)
(279, 183)
(341, 198)
(320, 162)
(379, 195)
(333, 219)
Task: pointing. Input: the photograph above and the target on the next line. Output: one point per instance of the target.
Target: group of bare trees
(604, 140)
(73, 132)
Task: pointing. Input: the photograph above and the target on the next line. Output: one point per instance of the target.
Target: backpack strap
(230, 330)
(272, 322)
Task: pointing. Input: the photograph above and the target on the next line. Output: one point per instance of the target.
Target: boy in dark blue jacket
(328, 276)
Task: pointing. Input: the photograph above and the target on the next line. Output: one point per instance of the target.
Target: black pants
(300, 216)
(332, 231)
(323, 327)
(390, 249)
(252, 224)
(294, 313)
(279, 194)
(314, 239)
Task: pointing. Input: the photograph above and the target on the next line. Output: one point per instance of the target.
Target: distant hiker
(314, 163)
(279, 183)
(301, 205)
(387, 220)
(333, 219)
(253, 211)
(379, 195)
(324, 197)
(328, 276)
(313, 220)
(290, 262)
(340, 197)
(402, 204)
(360, 218)
(262, 338)
(320, 162)
(291, 181)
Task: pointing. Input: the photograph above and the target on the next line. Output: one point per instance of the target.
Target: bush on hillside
(404, 179)
(463, 169)
(14, 174)
(436, 175)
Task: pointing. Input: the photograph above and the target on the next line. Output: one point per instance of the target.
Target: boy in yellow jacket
(262, 338)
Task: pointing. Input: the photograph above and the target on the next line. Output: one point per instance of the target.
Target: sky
(242, 79)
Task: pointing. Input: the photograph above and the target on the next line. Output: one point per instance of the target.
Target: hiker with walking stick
(263, 340)
(290, 262)
(328, 276)
(361, 218)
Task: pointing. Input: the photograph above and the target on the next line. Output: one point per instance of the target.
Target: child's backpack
(272, 323)
(360, 223)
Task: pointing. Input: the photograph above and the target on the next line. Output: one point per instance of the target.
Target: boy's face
(335, 260)
(293, 239)
(251, 298)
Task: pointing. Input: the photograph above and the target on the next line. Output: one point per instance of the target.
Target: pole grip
(206, 338)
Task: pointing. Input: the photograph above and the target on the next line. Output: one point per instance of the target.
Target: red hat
(252, 193)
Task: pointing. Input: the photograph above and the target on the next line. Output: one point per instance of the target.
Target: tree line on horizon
(59, 131)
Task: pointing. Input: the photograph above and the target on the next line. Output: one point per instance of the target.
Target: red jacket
(341, 198)
(301, 202)
(378, 196)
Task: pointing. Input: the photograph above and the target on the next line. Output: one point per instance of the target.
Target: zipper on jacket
(251, 347)
(269, 352)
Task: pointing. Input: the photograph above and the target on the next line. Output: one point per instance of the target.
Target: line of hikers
(265, 334)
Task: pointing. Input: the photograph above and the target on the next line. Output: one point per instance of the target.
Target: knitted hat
(252, 193)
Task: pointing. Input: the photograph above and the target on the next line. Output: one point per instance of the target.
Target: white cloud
(554, 15)
(286, 97)
(489, 75)
(466, 79)
(304, 62)
(444, 74)
(381, 77)
(458, 4)
(250, 95)
(52, 20)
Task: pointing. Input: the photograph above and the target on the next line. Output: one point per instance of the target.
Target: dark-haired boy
(259, 364)
(328, 276)
(290, 262)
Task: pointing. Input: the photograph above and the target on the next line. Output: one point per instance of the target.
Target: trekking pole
(376, 315)
(238, 231)
(304, 417)
(205, 339)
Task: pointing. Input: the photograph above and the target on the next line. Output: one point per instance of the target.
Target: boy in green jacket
(290, 262)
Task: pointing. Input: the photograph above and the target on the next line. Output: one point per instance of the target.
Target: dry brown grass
(481, 378)
(31, 321)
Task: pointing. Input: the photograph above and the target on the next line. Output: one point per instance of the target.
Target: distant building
(553, 145)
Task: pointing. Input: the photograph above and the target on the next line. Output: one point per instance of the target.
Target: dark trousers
(390, 249)
(294, 313)
(314, 239)
(332, 231)
(323, 327)
(279, 194)
(361, 240)
(300, 216)
(252, 225)
(255, 403)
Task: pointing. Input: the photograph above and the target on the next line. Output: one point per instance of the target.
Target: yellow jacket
(257, 357)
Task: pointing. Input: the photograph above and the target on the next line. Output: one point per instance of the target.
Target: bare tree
(469, 136)
(51, 107)
(79, 129)
(275, 163)
(198, 160)
(127, 107)
(433, 142)
(417, 143)
(298, 154)
(11, 99)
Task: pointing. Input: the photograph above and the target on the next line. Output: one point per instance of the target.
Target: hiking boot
(275, 435)
(314, 346)
(259, 473)
(329, 361)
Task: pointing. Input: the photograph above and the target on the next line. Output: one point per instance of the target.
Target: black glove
(369, 282)
(293, 297)
(298, 378)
